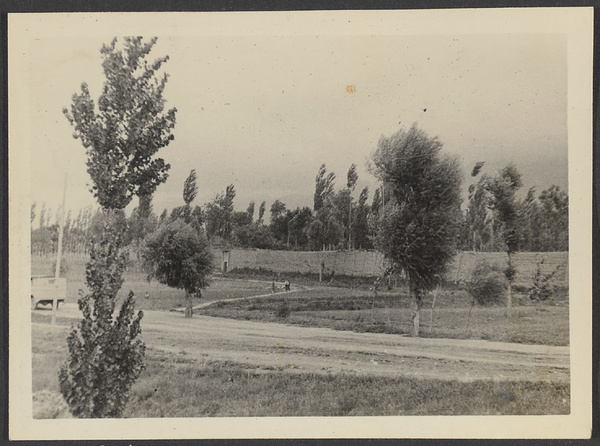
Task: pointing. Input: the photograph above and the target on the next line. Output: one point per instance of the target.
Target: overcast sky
(264, 112)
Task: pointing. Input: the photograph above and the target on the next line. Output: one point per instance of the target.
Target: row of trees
(337, 220)
(542, 220)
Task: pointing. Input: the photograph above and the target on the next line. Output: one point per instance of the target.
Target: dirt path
(268, 346)
(233, 299)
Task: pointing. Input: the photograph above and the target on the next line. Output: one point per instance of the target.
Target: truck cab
(45, 288)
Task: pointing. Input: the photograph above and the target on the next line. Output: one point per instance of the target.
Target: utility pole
(59, 253)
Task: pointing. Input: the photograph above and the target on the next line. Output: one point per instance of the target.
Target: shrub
(487, 284)
(283, 311)
(542, 287)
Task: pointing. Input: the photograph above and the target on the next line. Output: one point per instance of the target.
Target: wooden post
(59, 253)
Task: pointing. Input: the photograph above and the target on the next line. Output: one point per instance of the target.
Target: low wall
(370, 263)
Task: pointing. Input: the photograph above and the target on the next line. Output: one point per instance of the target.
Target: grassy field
(350, 308)
(175, 385)
(160, 297)
(357, 310)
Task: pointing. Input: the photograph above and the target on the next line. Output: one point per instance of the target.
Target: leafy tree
(142, 221)
(352, 177)
(261, 211)
(503, 189)
(324, 184)
(121, 137)
(529, 222)
(422, 218)
(240, 218)
(130, 125)
(254, 235)
(479, 220)
(315, 232)
(190, 188)
(361, 225)
(218, 214)
(376, 203)
(191, 216)
(33, 205)
(179, 257)
(298, 222)
(277, 209)
(554, 219)
(279, 222)
(163, 217)
(250, 210)
(43, 215)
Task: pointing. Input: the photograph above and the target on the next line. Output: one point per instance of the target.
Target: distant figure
(273, 288)
(147, 295)
(287, 285)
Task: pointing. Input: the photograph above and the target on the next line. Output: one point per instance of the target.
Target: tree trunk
(189, 311)
(509, 288)
(417, 303)
(435, 293)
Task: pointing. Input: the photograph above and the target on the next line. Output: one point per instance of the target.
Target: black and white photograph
(318, 224)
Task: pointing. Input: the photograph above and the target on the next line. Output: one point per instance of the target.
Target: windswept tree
(261, 212)
(43, 215)
(250, 210)
(422, 217)
(121, 135)
(190, 188)
(186, 213)
(503, 189)
(361, 223)
(479, 220)
(324, 184)
(219, 214)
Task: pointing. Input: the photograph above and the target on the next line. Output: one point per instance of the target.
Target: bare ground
(269, 346)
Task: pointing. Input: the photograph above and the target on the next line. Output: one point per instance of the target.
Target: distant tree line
(339, 219)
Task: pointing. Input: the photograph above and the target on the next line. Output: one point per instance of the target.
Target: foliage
(283, 311)
(254, 235)
(250, 210)
(361, 230)
(421, 221)
(277, 209)
(190, 188)
(179, 257)
(487, 284)
(503, 189)
(218, 214)
(105, 358)
(142, 221)
(542, 286)
(121, 138)
(261, 211)
(352, 177)
(122, 135)
(324, 183)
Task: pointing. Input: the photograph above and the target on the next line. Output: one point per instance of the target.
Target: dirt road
(259, 346)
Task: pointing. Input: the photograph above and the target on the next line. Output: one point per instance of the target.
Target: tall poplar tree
(121, 135)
